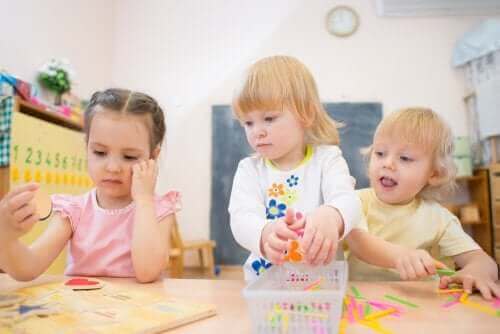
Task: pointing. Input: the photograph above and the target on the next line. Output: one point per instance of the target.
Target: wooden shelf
(47, 115)
(472, 178)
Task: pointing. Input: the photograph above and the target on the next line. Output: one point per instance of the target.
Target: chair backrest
(175, 236)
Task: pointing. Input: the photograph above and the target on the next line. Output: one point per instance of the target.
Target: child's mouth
(388, 182)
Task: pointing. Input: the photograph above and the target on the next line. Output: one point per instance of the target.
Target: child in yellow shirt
(410, 168)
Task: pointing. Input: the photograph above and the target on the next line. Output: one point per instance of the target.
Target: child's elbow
(147, 276)
(23, 277)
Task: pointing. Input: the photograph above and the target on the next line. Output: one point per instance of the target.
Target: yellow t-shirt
(418, 224)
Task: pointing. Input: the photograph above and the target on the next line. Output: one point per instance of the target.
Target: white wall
(190, 54)
(32, 32)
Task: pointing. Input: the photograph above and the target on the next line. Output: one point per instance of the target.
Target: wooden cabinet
(47, 148)
(494, 175)
(478, 188)
(27, 108)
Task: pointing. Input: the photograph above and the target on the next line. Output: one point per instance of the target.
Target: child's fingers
(20, 200)
(444, 281)
(484, 289)
(277, 243)
(289, 216)
(429, 265)
(297, 225)
(307, 239)
(323, 252)
(402, 272)
(418, 267)
(467, 282)
(331, 253)
(495, 288)
(439, 264)
(410, 272)
(24, 212)
(273, 255)
(284, 232)
(29, 221)
(313, 252)
(28, 187)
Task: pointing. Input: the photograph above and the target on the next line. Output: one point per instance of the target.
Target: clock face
(342, 21)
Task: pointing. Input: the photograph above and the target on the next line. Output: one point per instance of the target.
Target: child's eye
(130, 157)
(379, 153)
(406, 158)
(247, 124)
(269, 119)
(99, 153)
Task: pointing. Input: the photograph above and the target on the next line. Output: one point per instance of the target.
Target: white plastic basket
(279, 303)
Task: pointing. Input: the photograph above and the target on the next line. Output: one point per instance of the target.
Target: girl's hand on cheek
(144, 175)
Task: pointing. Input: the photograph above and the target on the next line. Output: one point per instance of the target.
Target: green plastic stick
(401, 301)
(356, 292)
(446, 272)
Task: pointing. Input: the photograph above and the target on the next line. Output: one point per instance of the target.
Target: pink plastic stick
(450, 304)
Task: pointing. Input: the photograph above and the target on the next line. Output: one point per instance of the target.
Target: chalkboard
(229, 146)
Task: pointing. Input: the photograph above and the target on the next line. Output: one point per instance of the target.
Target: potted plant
(56, 77)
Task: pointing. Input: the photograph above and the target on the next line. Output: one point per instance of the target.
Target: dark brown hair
(126, 101)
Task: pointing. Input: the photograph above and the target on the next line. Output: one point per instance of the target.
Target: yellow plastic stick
(481, 308)
(380, 314)
(449, 290)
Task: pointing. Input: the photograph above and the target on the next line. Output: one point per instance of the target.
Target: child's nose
(113, 165)
(389, 162)
(260, 132)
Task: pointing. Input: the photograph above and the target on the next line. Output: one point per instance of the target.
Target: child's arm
(150, 238)
(341, 210)
(478, 270)
(18, 215)
(410, 263)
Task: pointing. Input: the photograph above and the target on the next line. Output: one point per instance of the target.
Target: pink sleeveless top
(101, 240)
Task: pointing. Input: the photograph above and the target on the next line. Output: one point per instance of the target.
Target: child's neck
(110, 203)
(291, 160)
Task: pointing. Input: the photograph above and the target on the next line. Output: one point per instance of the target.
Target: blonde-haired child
(410, 167)
(120, 228)
(298, 168)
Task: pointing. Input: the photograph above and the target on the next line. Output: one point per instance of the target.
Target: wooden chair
(178, 247)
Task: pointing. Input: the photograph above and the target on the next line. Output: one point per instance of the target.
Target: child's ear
(436, 177)
(156, 152)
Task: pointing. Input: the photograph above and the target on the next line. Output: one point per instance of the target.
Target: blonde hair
(425, 128)
(279, 82)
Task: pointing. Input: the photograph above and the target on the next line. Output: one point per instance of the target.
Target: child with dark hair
(120, 228)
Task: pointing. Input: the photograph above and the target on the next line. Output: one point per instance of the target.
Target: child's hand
(275, 236)
(471, 277)
(321, 235)
(144, 175)
(416, 263)
(18, 212)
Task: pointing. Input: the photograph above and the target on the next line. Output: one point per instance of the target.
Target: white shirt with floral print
(262, 193)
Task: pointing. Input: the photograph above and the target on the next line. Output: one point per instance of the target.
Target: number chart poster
(51, 155)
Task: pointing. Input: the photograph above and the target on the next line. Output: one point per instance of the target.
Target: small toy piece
(43, 204)
(10, 299)
(294, 253)
(83, 283)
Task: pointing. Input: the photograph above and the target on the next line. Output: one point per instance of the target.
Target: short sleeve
(67, 206)
(167, 204)
(454, 240)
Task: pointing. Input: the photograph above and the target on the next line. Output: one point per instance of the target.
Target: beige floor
(226, 272)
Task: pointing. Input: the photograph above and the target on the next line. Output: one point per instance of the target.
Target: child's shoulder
(74, 201)
(326, 150)
(436, 208)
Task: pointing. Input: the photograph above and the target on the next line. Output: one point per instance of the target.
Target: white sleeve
(337, 186)
(246, 208)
